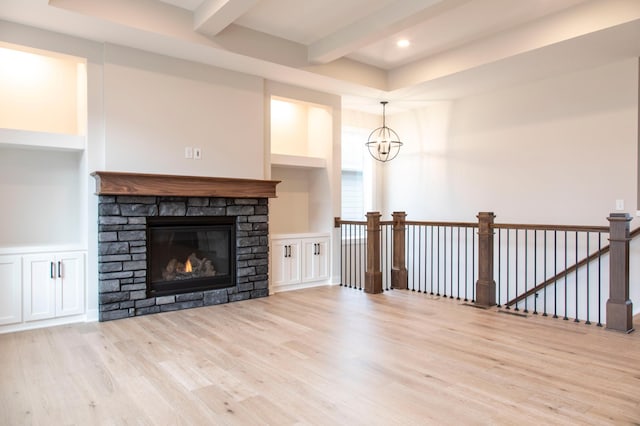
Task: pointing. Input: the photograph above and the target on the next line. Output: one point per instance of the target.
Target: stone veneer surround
(122, 248)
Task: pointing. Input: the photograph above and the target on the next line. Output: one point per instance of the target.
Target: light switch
(188, 152)
(619, 204)
(197, 153)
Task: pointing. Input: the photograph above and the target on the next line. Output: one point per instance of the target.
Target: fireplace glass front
(187, 254)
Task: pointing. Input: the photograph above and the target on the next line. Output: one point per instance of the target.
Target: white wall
(33, 182)
(156, 106)
(561, 150)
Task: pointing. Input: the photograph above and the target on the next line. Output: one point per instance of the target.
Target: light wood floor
(328, 355)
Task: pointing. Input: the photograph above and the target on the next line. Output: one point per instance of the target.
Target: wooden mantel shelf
(119, 183)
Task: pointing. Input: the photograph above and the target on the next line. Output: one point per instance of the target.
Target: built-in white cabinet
(315, 258)
(299, 261)
(41, 288)
(10, 290)
(53, 285)
(287, 268)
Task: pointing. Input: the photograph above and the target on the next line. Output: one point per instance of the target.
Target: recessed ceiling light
(403, 43)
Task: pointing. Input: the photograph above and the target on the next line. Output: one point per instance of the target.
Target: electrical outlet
(197, 154)
(619, 205)
(188, 152)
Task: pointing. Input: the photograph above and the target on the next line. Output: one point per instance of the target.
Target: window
(356, 175)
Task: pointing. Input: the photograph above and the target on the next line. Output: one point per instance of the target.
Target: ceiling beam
(213, 16)
(380, 24)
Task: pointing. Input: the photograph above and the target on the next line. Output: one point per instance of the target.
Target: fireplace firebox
(187, 254)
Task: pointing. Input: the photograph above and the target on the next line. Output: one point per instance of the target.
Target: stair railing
(517, 259)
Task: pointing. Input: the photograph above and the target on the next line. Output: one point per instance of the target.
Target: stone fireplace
(154, 229)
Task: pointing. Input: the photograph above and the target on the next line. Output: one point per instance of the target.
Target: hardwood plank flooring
(327, 355)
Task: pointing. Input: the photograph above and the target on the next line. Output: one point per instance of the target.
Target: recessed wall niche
(42, 91)
(301, 147)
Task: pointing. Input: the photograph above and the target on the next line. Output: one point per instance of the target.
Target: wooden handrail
(568, 271)
(452, 224)
(569, 228)
(337, 222)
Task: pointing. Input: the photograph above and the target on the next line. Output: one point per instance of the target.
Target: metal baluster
(544, 313)
(508, 265)
(565, 276)
(444, 264)
(599, 279)
(347, 255)
(431, 260)
(352, 253)
(535, 270)
(383, 246)
(361, 247)
(499, 266)
(426, 231)
(354, 258)
(438, 265)
(451, 264)
(458, 257)
(413, 258)
(466, 263)
(342, 254)
(419, 257)
(555, 273)
(517, 250)
(473, 266)
(526, 266)
(576, 317)
(389, 255)
(588, 279)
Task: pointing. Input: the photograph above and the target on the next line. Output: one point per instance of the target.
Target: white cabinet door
(316, 259)
(53, 285)
(10, 290)
(285, 262)
(39, 287)
(70, 284)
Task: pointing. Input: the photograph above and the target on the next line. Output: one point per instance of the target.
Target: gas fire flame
(187, 266)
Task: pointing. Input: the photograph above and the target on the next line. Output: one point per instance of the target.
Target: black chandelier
(383, 143)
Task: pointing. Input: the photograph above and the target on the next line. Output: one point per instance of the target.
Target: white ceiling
(348, 47)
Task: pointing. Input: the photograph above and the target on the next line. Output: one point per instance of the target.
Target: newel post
(485, 286)
(399, 276)
(619, 307)
(373, 274)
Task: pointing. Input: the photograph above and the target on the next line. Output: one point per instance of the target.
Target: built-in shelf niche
(43, 99)
(301, 148)
(300, 129)
(43, 123)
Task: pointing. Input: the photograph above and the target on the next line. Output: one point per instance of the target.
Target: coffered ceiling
(349, 47)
